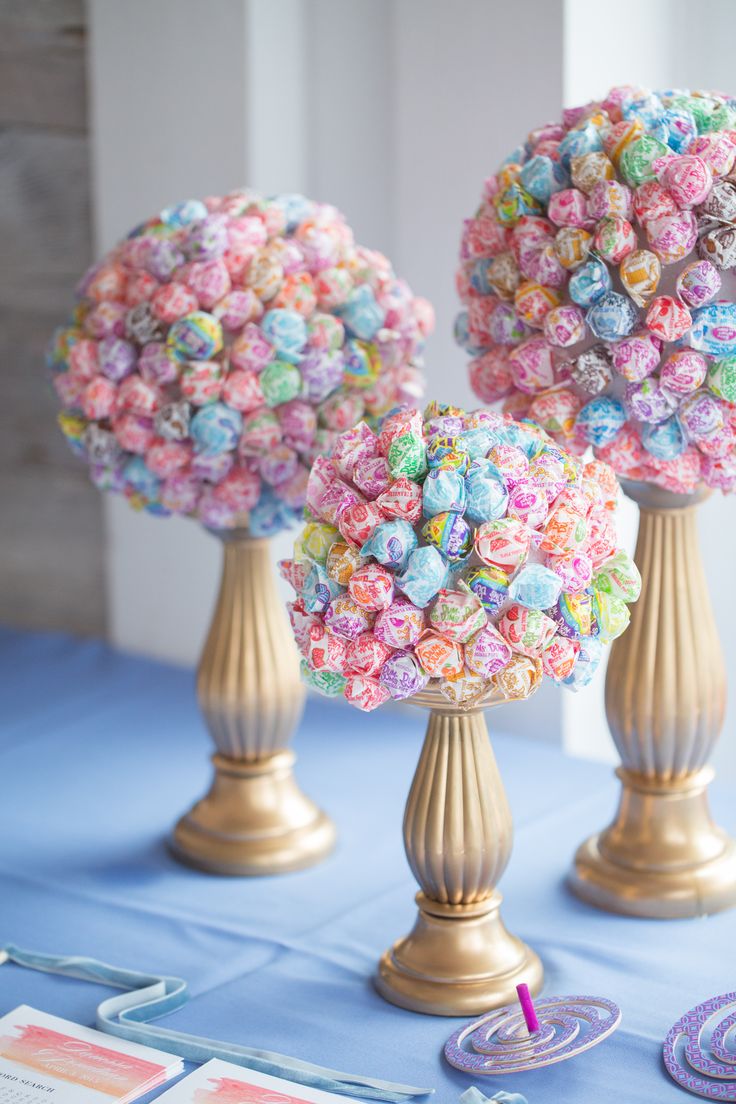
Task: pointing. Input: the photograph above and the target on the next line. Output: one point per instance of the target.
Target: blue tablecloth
(99, 754)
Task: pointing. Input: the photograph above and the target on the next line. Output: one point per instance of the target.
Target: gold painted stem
(459, 958)
(248, 682)
(457, 823)
(665, 701)
(666, 681)
(255, 819)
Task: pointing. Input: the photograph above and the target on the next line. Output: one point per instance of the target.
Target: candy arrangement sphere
(462, 552)
(212, 354)
(600, 301)
(598, 285)
(221, 346)
(456, 559)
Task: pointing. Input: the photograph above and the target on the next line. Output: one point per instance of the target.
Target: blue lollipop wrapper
(477, 442)
(287, 332)
(486, 497)
(536, 587)
(681, 128)
(391, 543)
(665, 441)
(443, 490)
(319, 590)
(424, 576)
(585, 139)
(612, 316)
(601, 420)
(648, 108)
(541, 176)
(181, 214)
(479, 274)
(270, 515)
(362, 314)
(513, 434)
(461, 334)
(141, 478)
(296, 208)
(590, 283)
(714, 329)
(586, 664)
(215, 428)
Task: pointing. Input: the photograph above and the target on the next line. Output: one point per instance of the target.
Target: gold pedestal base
(663, 857)
(458, 960)
(254, 820)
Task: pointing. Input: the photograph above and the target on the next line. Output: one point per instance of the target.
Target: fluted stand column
(459, 958)
(255, 819)
(665, 699)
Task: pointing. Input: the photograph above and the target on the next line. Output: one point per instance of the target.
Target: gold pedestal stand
(663, 856)
(459, 959)
(255, 819)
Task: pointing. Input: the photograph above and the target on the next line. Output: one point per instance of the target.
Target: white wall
(156, 138)
(466, 94)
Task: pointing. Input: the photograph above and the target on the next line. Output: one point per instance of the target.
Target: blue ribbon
(475, 1096)
(148, 997)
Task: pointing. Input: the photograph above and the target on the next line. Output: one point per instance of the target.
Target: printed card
(220, 1082)
(44, 1058)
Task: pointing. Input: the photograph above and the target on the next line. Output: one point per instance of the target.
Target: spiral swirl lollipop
(700, 1049)
(515, 1040)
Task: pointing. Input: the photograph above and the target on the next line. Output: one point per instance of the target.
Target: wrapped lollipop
(599, 300)
(477, 558)
(211, 356)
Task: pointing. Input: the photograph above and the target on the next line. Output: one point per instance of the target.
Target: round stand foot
(695, 890)
(254, 820)
(458, 960)
(662, 856)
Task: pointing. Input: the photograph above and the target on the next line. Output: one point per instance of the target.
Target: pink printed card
(43, 1057)
(220, 1082)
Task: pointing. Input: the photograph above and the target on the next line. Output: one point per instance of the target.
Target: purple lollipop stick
(527, 1007)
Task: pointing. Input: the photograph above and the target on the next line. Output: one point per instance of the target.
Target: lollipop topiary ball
(223, 345)
(462, 550)
(598, 285)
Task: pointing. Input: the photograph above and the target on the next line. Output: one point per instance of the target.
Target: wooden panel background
(51, 528)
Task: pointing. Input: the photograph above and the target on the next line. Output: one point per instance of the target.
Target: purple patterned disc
(700, 1049)
(500, 1042)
